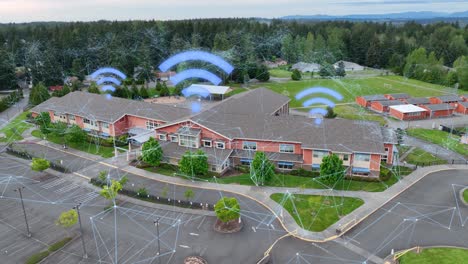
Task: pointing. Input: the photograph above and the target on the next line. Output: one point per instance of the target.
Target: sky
(91, 10)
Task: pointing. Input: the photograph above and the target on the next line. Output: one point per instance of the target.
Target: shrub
(304, 173)
(142, 192)
(296, 75)
(385, 173)
(227, 209)
(58, 245)
(38, 257)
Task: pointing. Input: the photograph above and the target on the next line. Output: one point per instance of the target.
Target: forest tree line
(52, 51)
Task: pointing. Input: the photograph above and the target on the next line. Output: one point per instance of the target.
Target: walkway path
(12, 112)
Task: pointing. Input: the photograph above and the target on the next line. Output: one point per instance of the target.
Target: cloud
(399, 2)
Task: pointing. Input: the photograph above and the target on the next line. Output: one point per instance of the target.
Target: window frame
(289, 145)
(222, 143)
(245, 147)
(162, 137)
(204, 141)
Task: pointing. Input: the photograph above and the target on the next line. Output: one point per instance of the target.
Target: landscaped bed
(287, 180)
(92, 148)
(436, 256)
(316, 213)
(40, 256)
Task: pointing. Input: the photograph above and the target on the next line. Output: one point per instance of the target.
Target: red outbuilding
(383, 106)
(462, 108)
(365, 101)
(408, 112)
(439, 110)
(397, 96)
(445, 99)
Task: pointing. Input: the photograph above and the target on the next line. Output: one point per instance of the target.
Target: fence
(452, 162)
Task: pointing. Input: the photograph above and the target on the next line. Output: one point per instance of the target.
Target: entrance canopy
(212, 89)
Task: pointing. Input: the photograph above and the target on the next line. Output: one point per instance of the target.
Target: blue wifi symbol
(196, 73)
(106, 77)
(319, 100)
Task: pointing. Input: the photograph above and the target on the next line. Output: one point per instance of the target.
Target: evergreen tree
(144, 92)
(296, 75)
(340, 71)
(135, 91)
(164, 90)
(7, 71)
(327, 70)
(38, 94)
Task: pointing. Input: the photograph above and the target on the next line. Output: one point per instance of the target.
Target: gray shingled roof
(388, 103)
(98, 107)
(377, 97)
(399, 95)
(449, 98)
(465, 104)
(418, 100)
(275, 156)
(437, 107)
(389, 135)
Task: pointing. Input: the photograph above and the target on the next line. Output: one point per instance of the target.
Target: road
(13, 111)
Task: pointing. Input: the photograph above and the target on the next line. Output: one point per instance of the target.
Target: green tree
(331, 169)
(227, 209)
(67, 219)
(340, 71)
(288, 49)
(164, 90)
(189, 194)
(38, 94)
(262, 169)
(330, 112)
(39, 164)
(461, 67)
(7, 70)
(152, 152)
(194, 163)
(262, 74)
(327, 70)
(110, 192)
(44, 122)
(75, 134)
(135, 91)
(93, 88)
(296, 75)
(144, 92)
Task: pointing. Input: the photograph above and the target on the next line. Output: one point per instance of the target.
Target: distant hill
(424, 15)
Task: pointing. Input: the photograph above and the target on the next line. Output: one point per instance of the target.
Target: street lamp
(24, 211)
(156, 223)
(77, 208)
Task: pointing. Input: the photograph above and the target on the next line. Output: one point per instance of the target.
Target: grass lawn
(436, 256)
(350, 88)
(419, 156)
(354, 112)
(92, 148)
(284, 180)
(279, 73)
(441, 138)
(465, 195)
(316, 213)
(234, 91)
(15, 128)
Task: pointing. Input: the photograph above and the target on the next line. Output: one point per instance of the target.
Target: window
(85, 120)
(151, 125)
(220, 145)
(386, 149)
(249, 145)
(345, 157)
(105, 125)
(207, 143)
(286, 148)
(71, 117)
(162, 137)
(245, 162)
(174, 138)
(89, 122)
(320, 154)
(188, 141)
(285, 165)
(362, 157)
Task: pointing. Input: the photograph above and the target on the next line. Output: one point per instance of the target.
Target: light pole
(156, 223)
(77, 208)
(24, 211)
